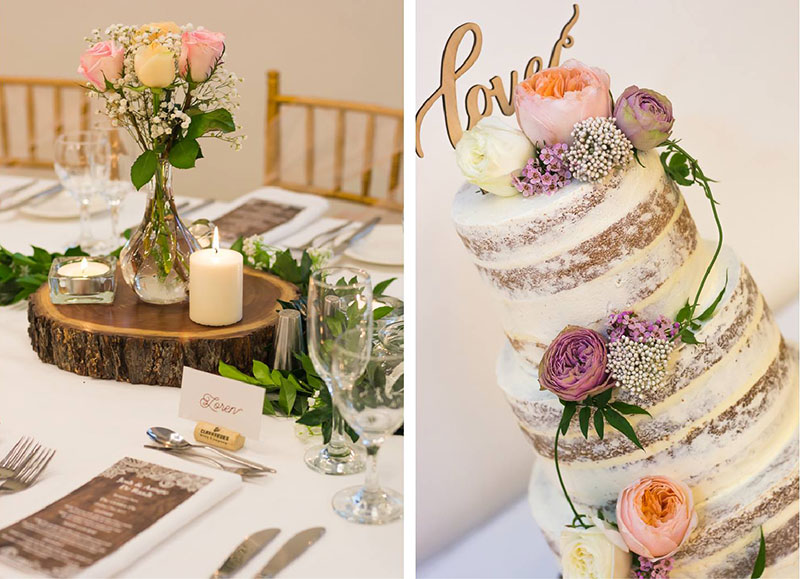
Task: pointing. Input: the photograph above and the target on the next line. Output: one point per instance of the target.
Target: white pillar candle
(215, 285)
(83, 268)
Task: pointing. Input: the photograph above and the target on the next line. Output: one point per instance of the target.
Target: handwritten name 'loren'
(213, 403)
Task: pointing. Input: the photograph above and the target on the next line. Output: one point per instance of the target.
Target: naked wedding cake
(642, 362)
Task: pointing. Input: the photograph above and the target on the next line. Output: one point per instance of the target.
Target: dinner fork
(17, 457)
(28, 474)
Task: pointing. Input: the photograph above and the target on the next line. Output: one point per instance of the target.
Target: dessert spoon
(172, 439)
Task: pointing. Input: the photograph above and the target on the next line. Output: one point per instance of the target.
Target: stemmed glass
(368, 391)
(82, 163)
(339, 298)
(122, 154)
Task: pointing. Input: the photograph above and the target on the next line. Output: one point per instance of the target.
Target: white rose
(490, 152)
(589, 554)
(154, 65)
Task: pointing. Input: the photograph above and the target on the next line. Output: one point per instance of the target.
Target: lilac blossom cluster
(546, 173)
(629, 324)
(654, 569)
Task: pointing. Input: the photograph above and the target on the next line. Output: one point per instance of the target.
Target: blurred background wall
(347, 49)
(732, 76)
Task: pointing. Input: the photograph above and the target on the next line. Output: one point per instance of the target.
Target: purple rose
(574, 365)
(645, 117)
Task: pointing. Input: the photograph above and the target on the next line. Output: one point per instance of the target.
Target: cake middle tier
(628, 242)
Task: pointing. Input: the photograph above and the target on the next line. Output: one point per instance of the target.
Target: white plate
(383, 246)
(62, 205)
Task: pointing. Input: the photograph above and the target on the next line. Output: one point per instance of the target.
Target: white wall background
(347, 49)
(732, 76)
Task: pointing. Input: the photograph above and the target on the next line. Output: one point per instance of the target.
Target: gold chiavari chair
(31, 94)
(368, 192)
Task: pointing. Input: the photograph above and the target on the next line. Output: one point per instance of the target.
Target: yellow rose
(154, 65)
(163, 28)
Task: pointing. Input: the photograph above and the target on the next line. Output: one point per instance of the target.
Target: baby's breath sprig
(685, 170)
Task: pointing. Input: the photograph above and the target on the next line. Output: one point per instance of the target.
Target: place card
(97, 519)
(229, 403)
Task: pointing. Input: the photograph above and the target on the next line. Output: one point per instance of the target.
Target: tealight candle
(83, 268)
(215, 285)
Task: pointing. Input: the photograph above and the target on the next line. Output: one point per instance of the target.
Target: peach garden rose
(656, 515)
(550, 102)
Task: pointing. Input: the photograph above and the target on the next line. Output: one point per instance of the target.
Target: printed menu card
(98, 519)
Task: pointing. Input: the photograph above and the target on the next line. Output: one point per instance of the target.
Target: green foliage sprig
(685, 170)
(761, 558)
(599, 410)
(21, 275)
(289, 393)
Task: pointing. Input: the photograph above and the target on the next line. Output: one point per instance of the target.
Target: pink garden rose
(655, 515)
(104, 59)
(201, 49)
(574, 365)
(549, 103)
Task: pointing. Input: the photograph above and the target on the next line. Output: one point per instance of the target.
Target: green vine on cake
(685, 170)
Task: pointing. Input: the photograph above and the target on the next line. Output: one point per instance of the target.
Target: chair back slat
(338, 151)
(3, 123)
(397, 160)
(309, 145)
(31, 121)
(369, 150)
(25, 149)
(344, 112)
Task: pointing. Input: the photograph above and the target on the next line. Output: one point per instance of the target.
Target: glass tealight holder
(83, 280)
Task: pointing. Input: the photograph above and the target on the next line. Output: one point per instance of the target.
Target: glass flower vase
(155, 260)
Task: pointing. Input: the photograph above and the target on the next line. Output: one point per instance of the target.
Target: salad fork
(17, 457)
(28, 474)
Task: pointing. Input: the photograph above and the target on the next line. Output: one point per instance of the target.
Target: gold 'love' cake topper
(449, 74)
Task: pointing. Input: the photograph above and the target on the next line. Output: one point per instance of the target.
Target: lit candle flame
(215, 240)
(84, 266)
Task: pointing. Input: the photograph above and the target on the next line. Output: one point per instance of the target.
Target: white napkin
(222, 484)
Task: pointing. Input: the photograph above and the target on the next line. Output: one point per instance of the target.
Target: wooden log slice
(131, 341)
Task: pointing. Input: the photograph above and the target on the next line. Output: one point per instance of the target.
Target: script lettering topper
(449, 74)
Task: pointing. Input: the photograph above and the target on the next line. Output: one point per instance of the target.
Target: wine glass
(82, 163)
(122, 154)
(339, 298)
(368, 391)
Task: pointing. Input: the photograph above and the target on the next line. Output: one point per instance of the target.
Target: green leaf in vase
(143, 169)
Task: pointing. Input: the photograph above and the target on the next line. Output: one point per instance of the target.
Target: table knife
(291, 550)
(7, 193)
(246, 550)
(41, 194)
(355, 236)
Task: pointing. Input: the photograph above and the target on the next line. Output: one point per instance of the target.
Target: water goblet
(368, 391)
(339, 298)
(82, 163)
(122, 154)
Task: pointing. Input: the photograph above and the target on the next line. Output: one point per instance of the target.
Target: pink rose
(201, 49)
(549, 103)
(655, 515)
(104, 59)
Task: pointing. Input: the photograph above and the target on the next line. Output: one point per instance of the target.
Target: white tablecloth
(92, 423)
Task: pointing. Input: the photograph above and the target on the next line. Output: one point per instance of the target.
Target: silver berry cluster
(597, 147)
(638, 367)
